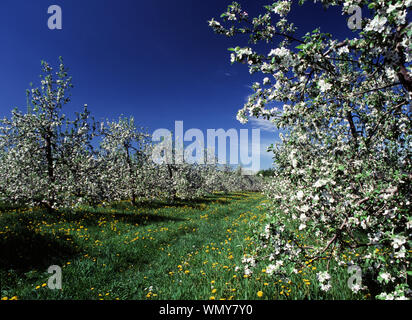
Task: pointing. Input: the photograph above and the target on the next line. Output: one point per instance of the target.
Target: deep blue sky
(157, 60)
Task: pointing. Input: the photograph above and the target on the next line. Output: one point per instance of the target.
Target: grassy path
(189, 250)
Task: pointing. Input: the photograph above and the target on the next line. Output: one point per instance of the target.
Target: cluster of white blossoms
(377, 24)
(397, 294)
(324, 280)
(249, 263)
(385, 276)
(286, 57)
(271, 268)
(213, 23)
(240, 54)
(324, 86)
(281, 8)
(343, 165)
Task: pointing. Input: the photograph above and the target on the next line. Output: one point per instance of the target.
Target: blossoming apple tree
(343, 169)
(46, 155)
(123, 150)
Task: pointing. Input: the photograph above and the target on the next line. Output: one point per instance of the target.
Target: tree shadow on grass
(178, 203)
(148, 253)
(89, 218)
(23, 249)
(125, 212)
(26, 250)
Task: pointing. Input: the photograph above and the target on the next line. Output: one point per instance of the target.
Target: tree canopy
(343, 168)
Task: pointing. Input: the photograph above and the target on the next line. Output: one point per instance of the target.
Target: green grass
(121, 251)
(186, 250)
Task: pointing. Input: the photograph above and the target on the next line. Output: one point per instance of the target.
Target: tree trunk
(50, 171)
(404, 77)
(129, 163)
(174, 193)
(352, 128)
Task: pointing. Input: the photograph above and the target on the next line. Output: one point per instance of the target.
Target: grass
(155, 251)
(186, 250)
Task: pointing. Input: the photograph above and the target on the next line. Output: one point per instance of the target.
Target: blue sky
(156, 60)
